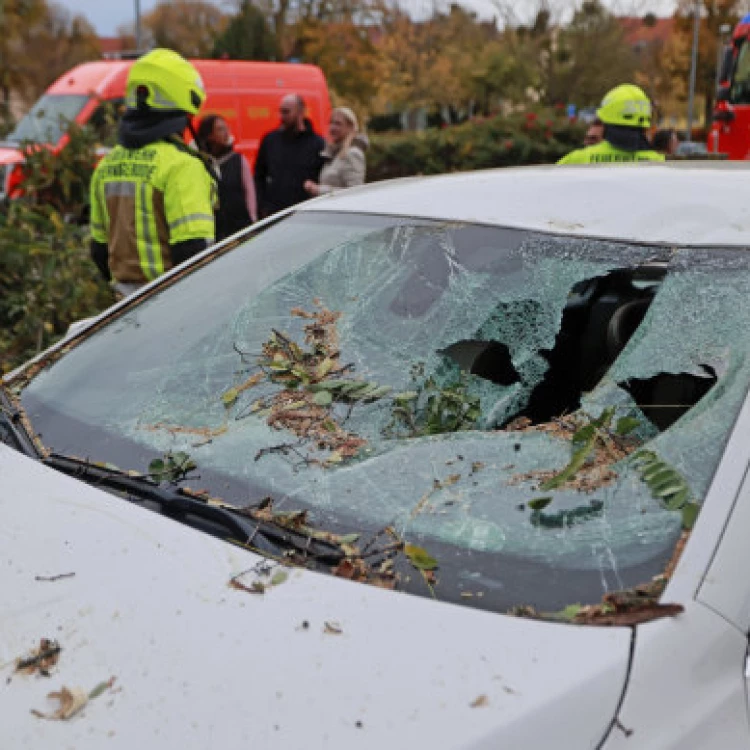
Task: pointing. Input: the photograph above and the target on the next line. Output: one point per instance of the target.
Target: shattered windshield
(536, 418)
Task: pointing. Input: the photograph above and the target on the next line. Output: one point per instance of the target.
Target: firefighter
(152, 197)
(626, 114)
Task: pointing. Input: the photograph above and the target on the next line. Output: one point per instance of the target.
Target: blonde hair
(351, 118)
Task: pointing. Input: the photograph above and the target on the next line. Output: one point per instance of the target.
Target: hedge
(531, 138)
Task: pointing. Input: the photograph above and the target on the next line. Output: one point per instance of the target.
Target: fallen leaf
(480, 701)
(45, 657)
(279, 577)
(101, 688)
(539, 503)
(71, 701)
(230, 396)
(420, 558)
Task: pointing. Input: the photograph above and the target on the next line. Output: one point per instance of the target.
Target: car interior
(601, 316)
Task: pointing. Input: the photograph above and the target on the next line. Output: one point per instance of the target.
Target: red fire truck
(730, 129)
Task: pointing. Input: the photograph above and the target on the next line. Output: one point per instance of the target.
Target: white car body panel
(686, 689)
(650, 203)
(203, 665)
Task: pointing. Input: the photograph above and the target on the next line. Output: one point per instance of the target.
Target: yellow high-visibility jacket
(605, 153)
(145, 199)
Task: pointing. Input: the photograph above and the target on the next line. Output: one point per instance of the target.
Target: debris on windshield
(664, 481)
(567, 517)
(172, 467)
(58, 577)
(42, 659)
(316, 398)
(71, 701)
(332, 628)
(618, 608)
(266, 576)
(596, 448)
(420, 558)
(431, 409)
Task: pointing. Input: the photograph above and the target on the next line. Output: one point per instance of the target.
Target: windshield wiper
(265, 536)
(12, 430)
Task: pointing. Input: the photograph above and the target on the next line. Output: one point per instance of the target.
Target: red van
(245, 94)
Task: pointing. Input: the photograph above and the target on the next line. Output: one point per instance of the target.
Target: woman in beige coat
(344, 155)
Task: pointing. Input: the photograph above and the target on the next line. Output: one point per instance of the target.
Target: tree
(38, 43)
(246, 36)
(189, 27)
(589, 57)
(346, 55)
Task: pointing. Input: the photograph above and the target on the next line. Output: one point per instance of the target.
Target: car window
(535, 412)
(47, 119)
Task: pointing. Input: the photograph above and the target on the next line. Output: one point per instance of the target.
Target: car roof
(694, 203)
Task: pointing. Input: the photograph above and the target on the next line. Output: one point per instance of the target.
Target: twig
(54, 578)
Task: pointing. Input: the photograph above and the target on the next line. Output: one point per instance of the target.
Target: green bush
(530, 138)
(47, 279)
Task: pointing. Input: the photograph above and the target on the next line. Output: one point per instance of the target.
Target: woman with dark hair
(237, 203)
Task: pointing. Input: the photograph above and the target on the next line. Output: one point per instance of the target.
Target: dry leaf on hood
(71, 700)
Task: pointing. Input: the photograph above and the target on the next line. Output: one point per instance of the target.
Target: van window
(47, 119)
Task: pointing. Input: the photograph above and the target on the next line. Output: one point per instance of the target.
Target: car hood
(314, 661)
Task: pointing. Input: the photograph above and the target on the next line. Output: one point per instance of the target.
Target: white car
(454, 462)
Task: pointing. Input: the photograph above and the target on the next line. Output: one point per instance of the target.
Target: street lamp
(137, 25)
(693, 67)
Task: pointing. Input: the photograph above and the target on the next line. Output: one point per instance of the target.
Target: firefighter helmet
(627, 105)
(164, 81)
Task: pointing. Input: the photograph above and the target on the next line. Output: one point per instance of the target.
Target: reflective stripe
(190, 217)
(148, 253)
(97, 225)
(122, 189)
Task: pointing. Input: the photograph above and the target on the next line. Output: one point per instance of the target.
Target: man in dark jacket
(287, 158)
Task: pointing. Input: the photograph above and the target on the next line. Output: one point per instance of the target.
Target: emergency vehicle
(245, 94)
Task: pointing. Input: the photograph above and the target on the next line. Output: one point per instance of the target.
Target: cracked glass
(546, 334)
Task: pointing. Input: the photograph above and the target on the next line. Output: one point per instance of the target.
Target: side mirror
(722, 95)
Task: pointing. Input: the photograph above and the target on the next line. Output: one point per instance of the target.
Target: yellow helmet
(627, 105)
(165, 81)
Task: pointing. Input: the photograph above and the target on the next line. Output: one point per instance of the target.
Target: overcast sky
(107, 15)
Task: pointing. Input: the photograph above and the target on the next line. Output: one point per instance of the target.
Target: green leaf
(584, 434)
(279, 577)
(99, 689)
(539, 503)
(323, 398)
(567, 614)
(625, 425)
(405, 396)
(324, 368)
(420, 558)
(604, 418)
(690, 512)
(678, 500)
(156, 466)
(230, 396)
